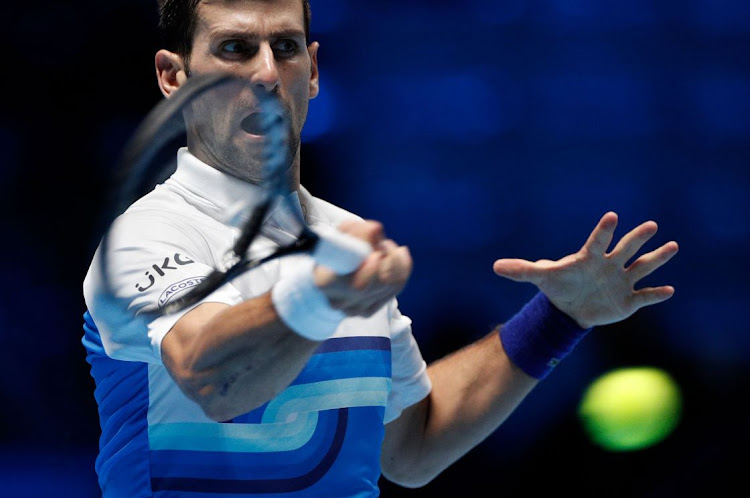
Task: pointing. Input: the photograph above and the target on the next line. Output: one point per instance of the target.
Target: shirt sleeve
(410, 382)
(149, 263)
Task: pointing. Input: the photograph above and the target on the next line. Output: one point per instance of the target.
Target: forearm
(474, 390)
(477, 388)
(233, 359)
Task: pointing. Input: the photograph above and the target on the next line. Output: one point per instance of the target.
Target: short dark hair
(177, 19)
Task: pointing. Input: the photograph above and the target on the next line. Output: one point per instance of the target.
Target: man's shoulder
(322, 210)
(156, 221)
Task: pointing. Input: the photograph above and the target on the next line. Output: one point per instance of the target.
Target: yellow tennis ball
(630, 408)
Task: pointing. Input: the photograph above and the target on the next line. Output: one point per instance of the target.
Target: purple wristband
(539, 336)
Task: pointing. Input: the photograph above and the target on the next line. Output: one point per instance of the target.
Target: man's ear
(170, 71)
(314, 75)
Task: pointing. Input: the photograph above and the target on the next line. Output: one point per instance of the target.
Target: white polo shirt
(320, 437)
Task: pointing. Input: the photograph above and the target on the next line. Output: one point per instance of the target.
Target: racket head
(208, 104)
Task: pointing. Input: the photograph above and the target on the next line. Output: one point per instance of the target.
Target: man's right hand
(381, 276)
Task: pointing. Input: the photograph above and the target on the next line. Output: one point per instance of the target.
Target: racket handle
(338, 251)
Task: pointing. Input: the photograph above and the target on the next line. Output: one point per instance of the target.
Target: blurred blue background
(473, 130)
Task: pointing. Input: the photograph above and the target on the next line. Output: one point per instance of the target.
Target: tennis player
(293, 381)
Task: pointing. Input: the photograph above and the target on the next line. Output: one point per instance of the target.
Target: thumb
(368, 230)
(518, 270)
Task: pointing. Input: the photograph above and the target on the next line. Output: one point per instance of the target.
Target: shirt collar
(224, 197)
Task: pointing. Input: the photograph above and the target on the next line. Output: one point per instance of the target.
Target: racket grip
(338, 251)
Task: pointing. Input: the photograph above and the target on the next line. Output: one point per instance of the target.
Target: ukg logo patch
(179, 287)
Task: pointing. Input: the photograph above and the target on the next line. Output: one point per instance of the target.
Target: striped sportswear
(321, 436)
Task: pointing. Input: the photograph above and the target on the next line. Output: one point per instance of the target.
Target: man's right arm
(232, 359)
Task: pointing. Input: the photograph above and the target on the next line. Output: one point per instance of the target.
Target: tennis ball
(630, 408)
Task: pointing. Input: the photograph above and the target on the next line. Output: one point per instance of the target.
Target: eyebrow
(241, 34)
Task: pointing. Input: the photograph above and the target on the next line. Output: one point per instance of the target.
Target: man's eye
(235, 47)
(286, 47)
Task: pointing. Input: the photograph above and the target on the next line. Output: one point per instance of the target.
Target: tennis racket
(143, 164)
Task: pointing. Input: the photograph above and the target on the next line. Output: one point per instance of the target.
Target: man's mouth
(260, 123)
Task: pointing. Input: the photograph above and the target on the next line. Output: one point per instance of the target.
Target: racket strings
(275, 185)
(142, 165)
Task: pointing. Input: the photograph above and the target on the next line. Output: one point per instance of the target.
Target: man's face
(263, 43)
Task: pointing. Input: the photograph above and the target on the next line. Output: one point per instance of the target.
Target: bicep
(178, 349)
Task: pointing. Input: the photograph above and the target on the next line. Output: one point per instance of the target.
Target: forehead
(253, 17)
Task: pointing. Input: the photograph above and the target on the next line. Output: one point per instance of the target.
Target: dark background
(474, 130)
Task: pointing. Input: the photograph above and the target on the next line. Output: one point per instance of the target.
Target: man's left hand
(593, 286)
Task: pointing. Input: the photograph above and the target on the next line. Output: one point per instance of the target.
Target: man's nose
(265, 73)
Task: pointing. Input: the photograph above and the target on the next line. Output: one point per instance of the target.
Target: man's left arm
(477, 387)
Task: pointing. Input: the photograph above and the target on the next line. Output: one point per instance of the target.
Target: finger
(601, 236)
(387, 246)
(633, 241)
(339, 251)
(368, 272)
(651, 295)
(518, 270)
(396, 266)
(368, 230)
(648, 263)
